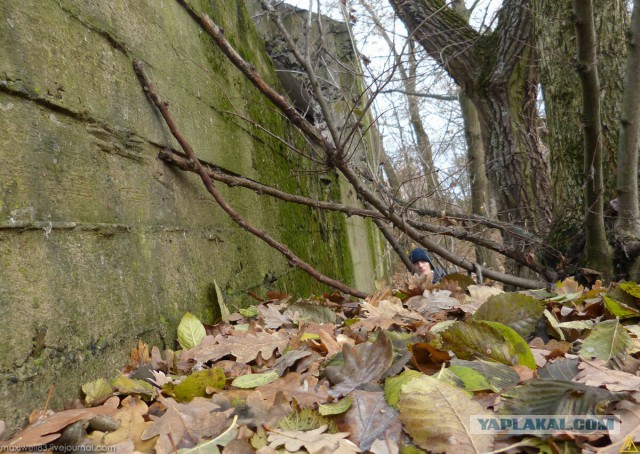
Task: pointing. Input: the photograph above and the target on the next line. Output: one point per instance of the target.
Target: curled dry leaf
(363, 363)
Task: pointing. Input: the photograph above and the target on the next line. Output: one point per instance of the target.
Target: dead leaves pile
(402, 371)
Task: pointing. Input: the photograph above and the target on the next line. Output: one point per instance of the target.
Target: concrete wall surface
(102, 243)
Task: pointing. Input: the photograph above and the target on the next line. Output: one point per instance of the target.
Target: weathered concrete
(100, 242)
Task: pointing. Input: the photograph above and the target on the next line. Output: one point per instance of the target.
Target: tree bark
(498, 71)
(562, 128)
(628, 211)
(597, 254)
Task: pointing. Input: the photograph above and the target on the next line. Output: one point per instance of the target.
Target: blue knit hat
(419, 255)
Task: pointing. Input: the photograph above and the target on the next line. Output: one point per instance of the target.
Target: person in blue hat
(423, 264)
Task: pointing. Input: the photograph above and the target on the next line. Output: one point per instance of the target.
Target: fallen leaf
(190, 331)
(363, 363)
(519, 312)
(271, 318)
(305, 390)
(313, 441)
(335, 408)
(437, 417)
(245, 347)
(97, 391)
(200, 417)
(607, 340)
(564, 369)
(595, 373)
(556, 397)
(254, 380)
(46, 430)
(370, 418)
(487, 340)
(132, 425)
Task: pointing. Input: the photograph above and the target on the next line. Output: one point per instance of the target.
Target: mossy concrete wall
(100, 242)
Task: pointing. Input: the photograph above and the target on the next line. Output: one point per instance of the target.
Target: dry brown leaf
(314, 441)
(304, 390)
(331, 345)
(370, 324)
(389, 308)
(524, 372)
(371, 418)
(46, 430)
(199, 418)
(271, 318)
(259, 411)
(629, 427)
(426, 358)
(595, 373)
(432, 301)
(363, 363)
(384, 447)
(132, 425)
(245, 347)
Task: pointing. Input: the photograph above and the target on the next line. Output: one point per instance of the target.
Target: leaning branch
(293, 259)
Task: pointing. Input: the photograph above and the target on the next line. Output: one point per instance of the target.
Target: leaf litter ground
(402, 371)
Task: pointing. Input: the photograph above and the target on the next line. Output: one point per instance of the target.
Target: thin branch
(293, 259)
(421, 95)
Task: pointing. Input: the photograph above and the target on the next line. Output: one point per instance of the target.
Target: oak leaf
(132, 425)
(245, 347)
(313, 441)
(305, 390)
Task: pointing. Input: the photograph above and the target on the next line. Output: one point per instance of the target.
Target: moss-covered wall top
(100, 242)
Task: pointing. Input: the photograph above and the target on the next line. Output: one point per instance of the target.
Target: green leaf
(190, 331)
(580, 325)
(472, 379)
(607, 340)
(517, 311)
(499, 376)
(447, 376)
(631, 288)
(336, 408)
(488, 341)
(196, 384)
(554, 324)
(620, 310)
(250, 381)
(557, 397)
(125, 385)
(461, 279)
(441, 326)
(249, 312)
(437, 417)
(96, 390)
(393, 386)
(224, 311)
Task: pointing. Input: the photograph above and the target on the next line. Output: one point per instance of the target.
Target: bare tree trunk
(628, 221)
(628, 211)
(597, 254)
(555, 37)
(498, 72)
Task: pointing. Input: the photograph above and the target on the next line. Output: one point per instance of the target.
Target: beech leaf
(224, 311)
(254, 380)
(607, 340)
(335, 408)
(620, 310)
(556, 397)
(190, 331)
(96, 390)
(489, 341)
(127, 385)
(472, 379)
(437, 417)
(132, 425)
(393, 385)
(519, 312)
(499, 376)
(363, 363)
(562, 369)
